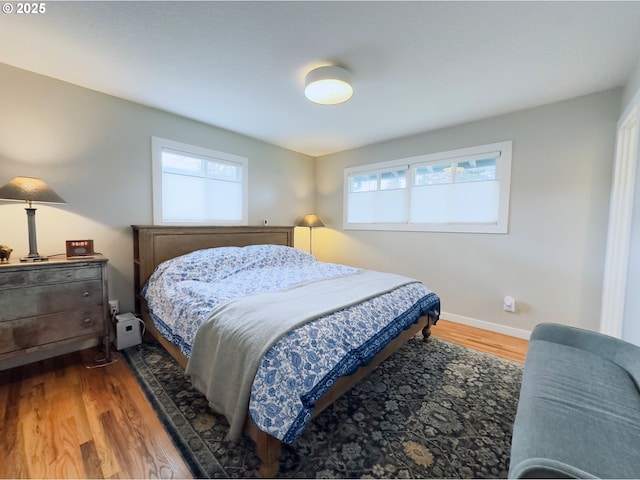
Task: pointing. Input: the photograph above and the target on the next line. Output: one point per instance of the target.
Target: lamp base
(34, 258)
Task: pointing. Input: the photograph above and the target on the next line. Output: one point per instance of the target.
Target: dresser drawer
(13, 278)
(46, 299)
(42, 276)
(38, 331)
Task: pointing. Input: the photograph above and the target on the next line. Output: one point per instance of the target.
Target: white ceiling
(417, 66)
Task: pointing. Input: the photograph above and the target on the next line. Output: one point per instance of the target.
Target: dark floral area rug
(434, 410)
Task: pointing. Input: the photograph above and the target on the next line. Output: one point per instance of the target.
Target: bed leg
(426, 331)
(268, 450)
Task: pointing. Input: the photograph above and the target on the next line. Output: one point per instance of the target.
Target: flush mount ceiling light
(328, 85)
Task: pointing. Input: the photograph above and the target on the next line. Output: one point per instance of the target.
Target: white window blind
(464, 190)
(193, 185)
(378, 197)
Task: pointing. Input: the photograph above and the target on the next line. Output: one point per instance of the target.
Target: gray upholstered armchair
(579, 408)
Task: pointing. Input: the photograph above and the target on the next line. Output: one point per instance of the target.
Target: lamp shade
(328, 85)
(29, 189)
(310, 220)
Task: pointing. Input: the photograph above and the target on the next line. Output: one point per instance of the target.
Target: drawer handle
(87, 320)
(85, 294)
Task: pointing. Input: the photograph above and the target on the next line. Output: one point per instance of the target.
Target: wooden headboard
(153, 245)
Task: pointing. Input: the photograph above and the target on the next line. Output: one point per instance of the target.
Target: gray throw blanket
(229, 346)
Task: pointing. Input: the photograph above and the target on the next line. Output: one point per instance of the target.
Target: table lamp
(30, 190)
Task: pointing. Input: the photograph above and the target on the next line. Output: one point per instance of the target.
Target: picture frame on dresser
(52, 308)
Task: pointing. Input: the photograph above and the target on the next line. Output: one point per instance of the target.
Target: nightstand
(51, 308)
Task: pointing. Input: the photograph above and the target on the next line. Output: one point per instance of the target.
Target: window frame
(159, 144)
(502, 175)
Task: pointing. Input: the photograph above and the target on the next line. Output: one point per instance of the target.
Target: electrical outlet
(509, 304)
(114, 307)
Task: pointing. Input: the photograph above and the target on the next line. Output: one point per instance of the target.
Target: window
(464, 190)
(378, 197)
(195, 185)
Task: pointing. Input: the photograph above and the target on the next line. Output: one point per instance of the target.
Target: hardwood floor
(483, 340)
(60, 419)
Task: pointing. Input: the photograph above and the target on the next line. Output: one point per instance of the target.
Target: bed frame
(155, 244)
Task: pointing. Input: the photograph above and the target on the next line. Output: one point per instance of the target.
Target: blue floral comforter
(302, 365)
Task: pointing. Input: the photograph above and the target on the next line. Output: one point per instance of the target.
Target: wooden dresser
(50, 308)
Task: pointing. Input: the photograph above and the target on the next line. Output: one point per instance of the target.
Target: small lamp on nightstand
(30, 190)
(312, 221)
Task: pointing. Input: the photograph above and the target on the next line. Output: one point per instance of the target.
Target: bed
(161, 250)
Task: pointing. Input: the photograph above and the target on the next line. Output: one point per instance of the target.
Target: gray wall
(551, 260)
(94, 150)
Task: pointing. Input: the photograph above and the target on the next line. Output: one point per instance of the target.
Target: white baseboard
(492, 327)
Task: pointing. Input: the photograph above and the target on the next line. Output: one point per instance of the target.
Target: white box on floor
(127, 331)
